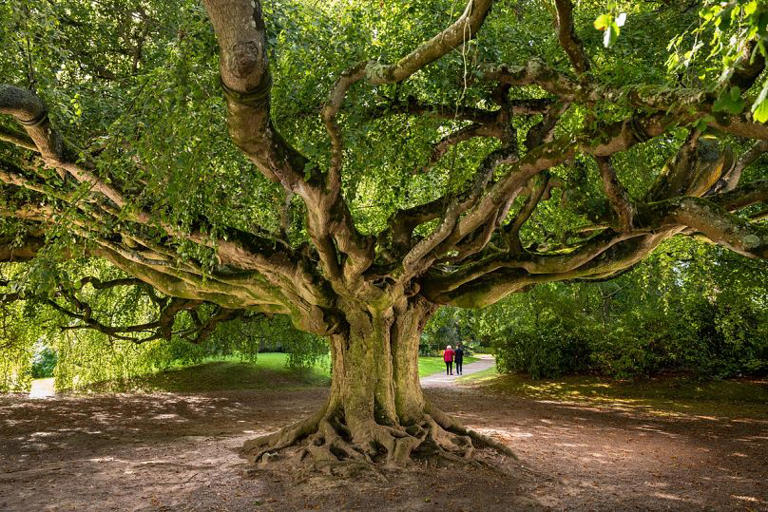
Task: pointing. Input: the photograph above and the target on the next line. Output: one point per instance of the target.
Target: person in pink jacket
(448, 358)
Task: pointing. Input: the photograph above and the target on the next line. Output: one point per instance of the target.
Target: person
(448, 358)
(458, 358)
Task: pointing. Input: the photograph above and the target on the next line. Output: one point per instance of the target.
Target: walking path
(42, 388)
(441, 380)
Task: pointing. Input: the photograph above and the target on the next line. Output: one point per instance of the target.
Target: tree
(464, 167)
(690, 307)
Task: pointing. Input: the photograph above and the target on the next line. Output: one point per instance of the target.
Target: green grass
(269, 371)
(225, 373)
(434, 364)
(662, 396)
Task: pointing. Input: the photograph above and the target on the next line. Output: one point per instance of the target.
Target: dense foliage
(40, 338)
(690, 307)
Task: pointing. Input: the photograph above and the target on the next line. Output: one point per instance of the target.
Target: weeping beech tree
(505, 150)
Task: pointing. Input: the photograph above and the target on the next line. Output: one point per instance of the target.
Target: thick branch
(723, 228)
(617, 195)
(18, 140)
(730, 179)
(512, 230)
(12, 249)
(566, 33)
(31, 113)
(685, 105)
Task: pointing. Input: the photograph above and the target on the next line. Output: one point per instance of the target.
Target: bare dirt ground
(178, 452)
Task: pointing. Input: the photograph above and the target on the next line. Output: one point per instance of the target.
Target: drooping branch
(105, 204)
(67, 302)
(466, 133)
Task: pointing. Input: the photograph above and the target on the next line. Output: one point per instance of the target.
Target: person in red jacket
(448, 358)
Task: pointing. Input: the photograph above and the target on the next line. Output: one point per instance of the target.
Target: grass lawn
(434, 364)
(225, 373)
(269, 371)
(662, 396)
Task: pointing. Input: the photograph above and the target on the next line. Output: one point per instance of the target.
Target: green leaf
(603, 21)
(611, 35)
(730, 101)
(760, 107)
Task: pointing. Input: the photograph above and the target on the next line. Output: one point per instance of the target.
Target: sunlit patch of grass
(482, 377)
(662, 396)
(269, 371)
(430, 365)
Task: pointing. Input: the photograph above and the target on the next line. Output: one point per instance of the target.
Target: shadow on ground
(178, 452)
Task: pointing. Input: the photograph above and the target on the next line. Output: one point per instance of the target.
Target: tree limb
(460, 32)
(566, 34)
(617, 195)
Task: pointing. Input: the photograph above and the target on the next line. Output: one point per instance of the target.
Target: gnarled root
(326, 438)
(255, 449)
(481, 440)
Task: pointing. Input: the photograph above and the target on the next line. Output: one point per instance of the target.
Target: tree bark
(376, 411)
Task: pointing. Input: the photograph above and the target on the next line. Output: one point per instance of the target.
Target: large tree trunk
(376, 411)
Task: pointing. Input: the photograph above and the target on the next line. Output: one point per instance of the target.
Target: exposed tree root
(326, 439)
(481, 440)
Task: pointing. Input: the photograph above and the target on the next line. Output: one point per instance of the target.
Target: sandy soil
(177, 452)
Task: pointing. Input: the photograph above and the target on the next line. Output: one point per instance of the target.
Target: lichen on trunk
(376, 411)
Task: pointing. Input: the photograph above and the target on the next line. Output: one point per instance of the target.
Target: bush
(704, 315)
(43, 363)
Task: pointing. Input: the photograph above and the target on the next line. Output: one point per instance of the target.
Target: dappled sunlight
(750, 499)
(170, 448)
(741, 401)
(655, 459)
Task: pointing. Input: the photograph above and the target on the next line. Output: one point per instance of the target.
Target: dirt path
(168, 452)
(441, 380)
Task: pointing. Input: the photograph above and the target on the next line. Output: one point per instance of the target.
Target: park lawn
(268, 371)
(659, 396)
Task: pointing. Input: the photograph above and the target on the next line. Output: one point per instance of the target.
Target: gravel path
(441, 380)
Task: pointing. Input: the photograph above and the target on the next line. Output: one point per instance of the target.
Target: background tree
(385, 174)
(690, 307)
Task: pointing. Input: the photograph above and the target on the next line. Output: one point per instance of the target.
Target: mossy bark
(376, 411)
